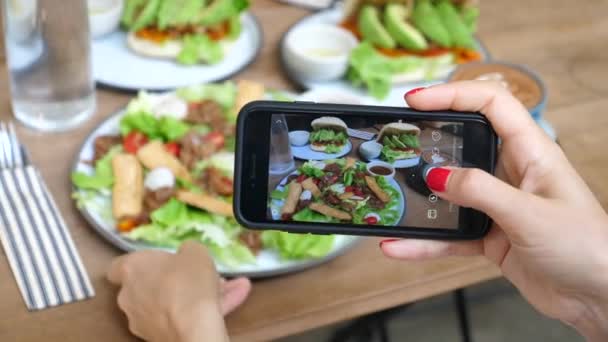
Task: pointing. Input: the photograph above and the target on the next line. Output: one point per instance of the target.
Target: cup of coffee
(523, 83)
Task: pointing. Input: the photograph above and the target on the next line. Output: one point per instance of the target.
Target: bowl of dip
(299, 138)
(318, 52)
(523, 83)
(370, 149)
(104, 16)
(380, 168)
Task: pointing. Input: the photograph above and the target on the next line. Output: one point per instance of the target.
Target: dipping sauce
(523, 84)
(381, 170)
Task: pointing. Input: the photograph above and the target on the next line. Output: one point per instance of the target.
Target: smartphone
(357, 170)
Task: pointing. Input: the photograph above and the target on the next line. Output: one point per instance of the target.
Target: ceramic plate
(115, 65)
(306, 153)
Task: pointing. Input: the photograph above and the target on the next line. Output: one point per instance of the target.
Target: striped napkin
(37, 243)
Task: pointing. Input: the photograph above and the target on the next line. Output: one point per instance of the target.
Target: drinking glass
(281, 159)
(48, 52)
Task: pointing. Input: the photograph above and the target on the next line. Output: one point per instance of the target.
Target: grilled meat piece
(103, 144)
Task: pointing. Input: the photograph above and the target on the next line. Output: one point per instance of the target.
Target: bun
(318, 148)
(168, 49)
(397, 128)
(329, 122)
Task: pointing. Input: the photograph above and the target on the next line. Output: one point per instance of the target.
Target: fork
(12, 154)
(360, 134)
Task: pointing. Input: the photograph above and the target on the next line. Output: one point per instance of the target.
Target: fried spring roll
(128, 189)
(346, 195)
(377, 190)
(329, 211)
(248, 91)
(350, 162)
(309, 184)
(206, 202)
(154, 155)
(293, 196)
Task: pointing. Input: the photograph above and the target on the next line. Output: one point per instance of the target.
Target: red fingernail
(437, 178)
(387, 241)
(414, 91)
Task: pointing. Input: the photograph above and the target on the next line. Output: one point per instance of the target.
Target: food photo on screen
(364, 171)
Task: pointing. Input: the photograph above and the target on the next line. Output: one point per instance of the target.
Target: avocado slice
(387, 142)
(372, 29)
(398, 142)
(147, 16)
(405, 34)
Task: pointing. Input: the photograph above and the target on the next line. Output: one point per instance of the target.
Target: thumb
(477, 189)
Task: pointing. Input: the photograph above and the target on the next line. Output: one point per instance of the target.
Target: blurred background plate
(268, 262)
(395, 98)
(116, 66)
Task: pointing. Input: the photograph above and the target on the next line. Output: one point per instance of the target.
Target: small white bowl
(370, 149)
(386, 165)
(318, 52)
(104, 16)
(298, 138)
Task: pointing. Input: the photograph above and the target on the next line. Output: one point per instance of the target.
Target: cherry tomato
(134, 141)
(358, 191)
(349, 188)
(227, 181)
(301, 178)
(215, 138)
(317, 181)
(371, 220)
(173, 148)
(127, 225)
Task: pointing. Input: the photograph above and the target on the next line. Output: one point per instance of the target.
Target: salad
(337, 190)
(189, 31)
(166, 176)
(408, 40)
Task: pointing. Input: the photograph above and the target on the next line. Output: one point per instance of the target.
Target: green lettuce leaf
(200, 48)
(166, 128)
(235, 27)
(173, 213)
(278, 194)
(331, 148)
(310, 170)
(172, 129)
(221, 10)
(102, 178)
(178, 12)
(298, 246)
(370, 68)
(233, 255)
(307, 215)
(222, 93)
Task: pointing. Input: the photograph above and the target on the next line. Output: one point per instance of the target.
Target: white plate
(306, 153)
(276, 205)
(395, 98)
(268, 263)
(115, 65)
(402, 163)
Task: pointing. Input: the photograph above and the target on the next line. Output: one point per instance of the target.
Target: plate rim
(254, 57)
(124, 246)
(341, 154)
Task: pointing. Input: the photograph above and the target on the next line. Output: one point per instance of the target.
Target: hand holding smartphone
(341, 169)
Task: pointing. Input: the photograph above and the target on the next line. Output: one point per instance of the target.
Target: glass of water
(48, 52)
(281, 159)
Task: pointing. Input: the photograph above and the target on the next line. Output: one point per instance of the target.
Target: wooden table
(563, 40)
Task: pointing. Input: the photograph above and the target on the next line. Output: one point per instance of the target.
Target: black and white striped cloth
(37, 243)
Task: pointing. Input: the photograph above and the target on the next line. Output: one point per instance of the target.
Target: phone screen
(360, 170)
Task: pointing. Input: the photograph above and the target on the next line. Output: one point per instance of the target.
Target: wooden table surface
(564, 40)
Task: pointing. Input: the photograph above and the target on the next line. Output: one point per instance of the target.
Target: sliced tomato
(349, 188)
(358, 192)
(215, 138)
(173, 148)
(134, 141)
(317, 181)
(127, 225)
(301, 178)
(371, 220)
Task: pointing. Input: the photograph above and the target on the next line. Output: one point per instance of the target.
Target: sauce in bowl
(380, 170)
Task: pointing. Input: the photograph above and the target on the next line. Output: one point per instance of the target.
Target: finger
(196, 251)
(234, 293)
(507, 115)
(412, 249)
(511, 208)
(117, 270)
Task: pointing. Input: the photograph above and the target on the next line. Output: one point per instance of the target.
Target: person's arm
(175, 297)
(550, 235)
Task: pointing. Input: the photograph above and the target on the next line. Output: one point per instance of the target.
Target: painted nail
(437, 178)
(414, 91)
(387, 241)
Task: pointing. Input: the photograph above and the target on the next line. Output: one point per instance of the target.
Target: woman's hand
(175, 297)
(550, 236)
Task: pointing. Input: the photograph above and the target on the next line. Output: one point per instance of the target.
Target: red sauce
(381, 170)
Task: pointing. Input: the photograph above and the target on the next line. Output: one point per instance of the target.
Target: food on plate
(408, 41)
(190, 31)
(154, 154)
(399, 141)
(328, 135)
(346, 193)
(247, 91)
(184, 144)
(128, 190)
